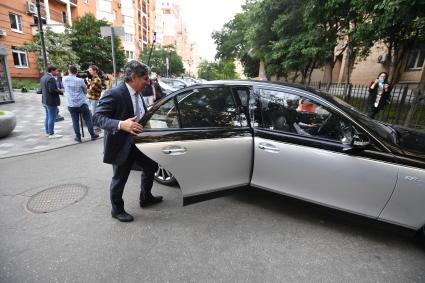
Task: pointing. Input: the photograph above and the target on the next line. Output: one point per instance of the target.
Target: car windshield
(383, 130)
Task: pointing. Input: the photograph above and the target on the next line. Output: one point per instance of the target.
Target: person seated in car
(306, 105)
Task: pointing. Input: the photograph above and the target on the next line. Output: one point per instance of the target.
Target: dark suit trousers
(121, 173)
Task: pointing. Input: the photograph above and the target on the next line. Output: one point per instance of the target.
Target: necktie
(137, 111)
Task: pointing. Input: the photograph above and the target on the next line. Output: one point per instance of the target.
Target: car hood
(412, 142)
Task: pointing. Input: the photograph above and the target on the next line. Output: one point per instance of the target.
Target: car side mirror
(359, 142)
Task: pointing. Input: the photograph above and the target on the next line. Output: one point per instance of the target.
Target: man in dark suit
(118, 113)
(50, 99)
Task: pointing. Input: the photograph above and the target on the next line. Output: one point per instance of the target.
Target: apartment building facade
(18, 24)
(365, 71)
(171, 30)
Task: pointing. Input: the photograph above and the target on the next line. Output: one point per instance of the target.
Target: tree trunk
(313, 65)
(419, 95)
(294, 78)
(329, 70)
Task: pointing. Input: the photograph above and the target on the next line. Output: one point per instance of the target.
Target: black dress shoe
(150, 201)
(122, 216)
(94, 137)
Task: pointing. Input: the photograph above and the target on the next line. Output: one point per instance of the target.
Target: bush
(28, 84)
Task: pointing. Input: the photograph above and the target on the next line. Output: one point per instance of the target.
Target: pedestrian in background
(95, 88)
(379, 95)
(158, 93)
(75, 90)
(59, 84)
(50, 99)
(119, 113)
(148, 94)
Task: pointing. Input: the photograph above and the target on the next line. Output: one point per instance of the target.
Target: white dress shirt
(133, 97)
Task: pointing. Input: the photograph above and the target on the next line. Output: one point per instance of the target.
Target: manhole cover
(57, 197)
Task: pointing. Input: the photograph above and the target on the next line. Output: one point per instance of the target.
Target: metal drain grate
(56, 198)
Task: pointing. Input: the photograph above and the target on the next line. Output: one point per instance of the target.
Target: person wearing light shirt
(75, 92)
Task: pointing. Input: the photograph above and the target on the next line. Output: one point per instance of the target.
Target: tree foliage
(158, 61)
(91, 48)
(232, 42)
(58, 49)
(222, 70)
(293, 37)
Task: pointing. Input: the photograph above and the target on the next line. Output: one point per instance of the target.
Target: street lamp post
(40, 28)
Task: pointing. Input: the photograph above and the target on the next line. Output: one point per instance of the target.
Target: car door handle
(268, 147)
(174, 150)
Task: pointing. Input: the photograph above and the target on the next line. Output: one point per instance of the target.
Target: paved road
(252, 236)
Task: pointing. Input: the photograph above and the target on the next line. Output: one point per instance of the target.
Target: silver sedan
(226, 135)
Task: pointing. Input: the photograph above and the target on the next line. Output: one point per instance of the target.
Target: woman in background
(379, 95)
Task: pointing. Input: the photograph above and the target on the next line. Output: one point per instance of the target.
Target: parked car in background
(166, 89)
(190, 80)
(218, 136)
(175, 83)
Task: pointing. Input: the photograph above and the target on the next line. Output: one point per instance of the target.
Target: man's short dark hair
(136, 68)
(73, 69)
(51, 68)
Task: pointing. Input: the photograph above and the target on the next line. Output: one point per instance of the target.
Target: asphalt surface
(252, 236)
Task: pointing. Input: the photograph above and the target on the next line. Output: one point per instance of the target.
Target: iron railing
(396, 112)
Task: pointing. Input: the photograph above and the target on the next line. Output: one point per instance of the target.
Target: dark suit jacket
(49, 90)
(115, 106)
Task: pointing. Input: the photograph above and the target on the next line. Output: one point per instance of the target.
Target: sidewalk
(28, 136)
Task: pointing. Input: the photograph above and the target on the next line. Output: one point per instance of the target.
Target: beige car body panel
(407, 204)
(342, 181)
(204, 165)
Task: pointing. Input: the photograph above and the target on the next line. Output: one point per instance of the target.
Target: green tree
(58, 49)
(232, 42)
(220, 70)
(158, 59)
(91, 48)
(399, 24)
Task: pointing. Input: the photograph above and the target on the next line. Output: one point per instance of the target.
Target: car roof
(260, 83)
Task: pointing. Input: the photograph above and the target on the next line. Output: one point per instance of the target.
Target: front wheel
(163, 176)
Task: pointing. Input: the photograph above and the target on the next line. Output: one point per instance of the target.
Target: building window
(64, 17)
(20, 58)
(36, 20)
(127, 21)
(15, 22)
(129, 55)
(129, 38)
(416, 59)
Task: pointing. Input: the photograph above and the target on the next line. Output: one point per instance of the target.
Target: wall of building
(14, 38)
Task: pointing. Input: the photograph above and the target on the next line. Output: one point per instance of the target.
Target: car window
(286, 112)
(207, 107)
(165, 117)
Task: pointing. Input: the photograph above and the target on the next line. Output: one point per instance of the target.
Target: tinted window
(208, 107)
(291, 113)
(165, 117)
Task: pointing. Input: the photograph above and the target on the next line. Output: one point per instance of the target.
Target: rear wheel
(163, 176)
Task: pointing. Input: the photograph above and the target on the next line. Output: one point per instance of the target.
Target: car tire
(164, 177)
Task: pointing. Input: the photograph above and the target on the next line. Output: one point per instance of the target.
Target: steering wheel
(324, 125)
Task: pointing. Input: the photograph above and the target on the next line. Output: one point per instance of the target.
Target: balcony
(57, 27)
(73, 2)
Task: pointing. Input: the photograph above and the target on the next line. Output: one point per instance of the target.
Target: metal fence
(396, 112)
